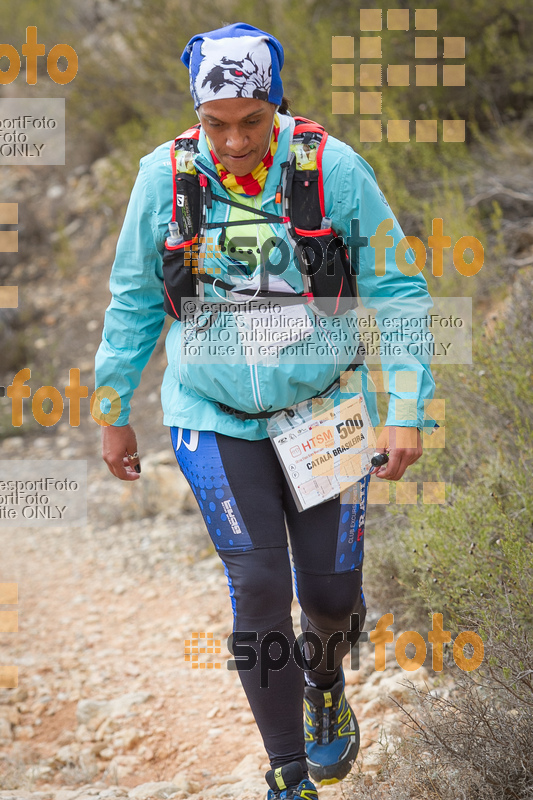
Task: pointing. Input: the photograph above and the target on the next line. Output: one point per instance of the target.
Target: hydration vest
(329, 280)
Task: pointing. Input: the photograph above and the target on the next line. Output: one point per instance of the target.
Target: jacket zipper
(254, 377)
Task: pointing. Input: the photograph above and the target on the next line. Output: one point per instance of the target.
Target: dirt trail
(106, 701)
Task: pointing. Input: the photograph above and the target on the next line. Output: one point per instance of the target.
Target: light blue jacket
(193, 385)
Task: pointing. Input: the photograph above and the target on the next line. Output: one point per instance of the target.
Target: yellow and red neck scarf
(254, 182)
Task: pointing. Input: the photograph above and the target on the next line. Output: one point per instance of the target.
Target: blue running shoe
(288, 783)
(331, 733)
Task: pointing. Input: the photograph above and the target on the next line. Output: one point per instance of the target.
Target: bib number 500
(349, 426)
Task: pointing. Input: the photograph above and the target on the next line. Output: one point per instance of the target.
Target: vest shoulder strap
(307, 192)
(185, 185)
(186, 142)
(304, 125)
(191, 133)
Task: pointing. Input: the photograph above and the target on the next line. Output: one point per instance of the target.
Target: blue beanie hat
(236, 61)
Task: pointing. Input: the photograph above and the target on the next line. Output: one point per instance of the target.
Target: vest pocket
(333, 283)
(178, 278)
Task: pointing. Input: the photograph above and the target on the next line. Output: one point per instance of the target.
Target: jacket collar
(205, 164)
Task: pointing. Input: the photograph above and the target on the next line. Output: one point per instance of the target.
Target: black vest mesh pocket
(178, 277)
(332, 283)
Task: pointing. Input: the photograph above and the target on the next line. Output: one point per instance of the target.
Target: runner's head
(236, 61)
(235, 83)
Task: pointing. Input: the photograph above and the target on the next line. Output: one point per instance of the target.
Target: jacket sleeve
(135, 316)
(401, 300)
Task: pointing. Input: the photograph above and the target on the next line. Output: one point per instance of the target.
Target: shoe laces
(288, 793)
(291, 791)
(325, 721)
(326, 724)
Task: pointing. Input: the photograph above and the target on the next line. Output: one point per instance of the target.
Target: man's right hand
(117, 444)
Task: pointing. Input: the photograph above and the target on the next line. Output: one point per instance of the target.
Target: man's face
(239, 130)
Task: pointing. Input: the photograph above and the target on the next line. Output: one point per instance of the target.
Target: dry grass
(476, 743)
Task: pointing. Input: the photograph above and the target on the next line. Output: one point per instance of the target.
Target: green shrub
(474, 741)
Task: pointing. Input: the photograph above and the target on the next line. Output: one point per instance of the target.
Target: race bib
(324, 445)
